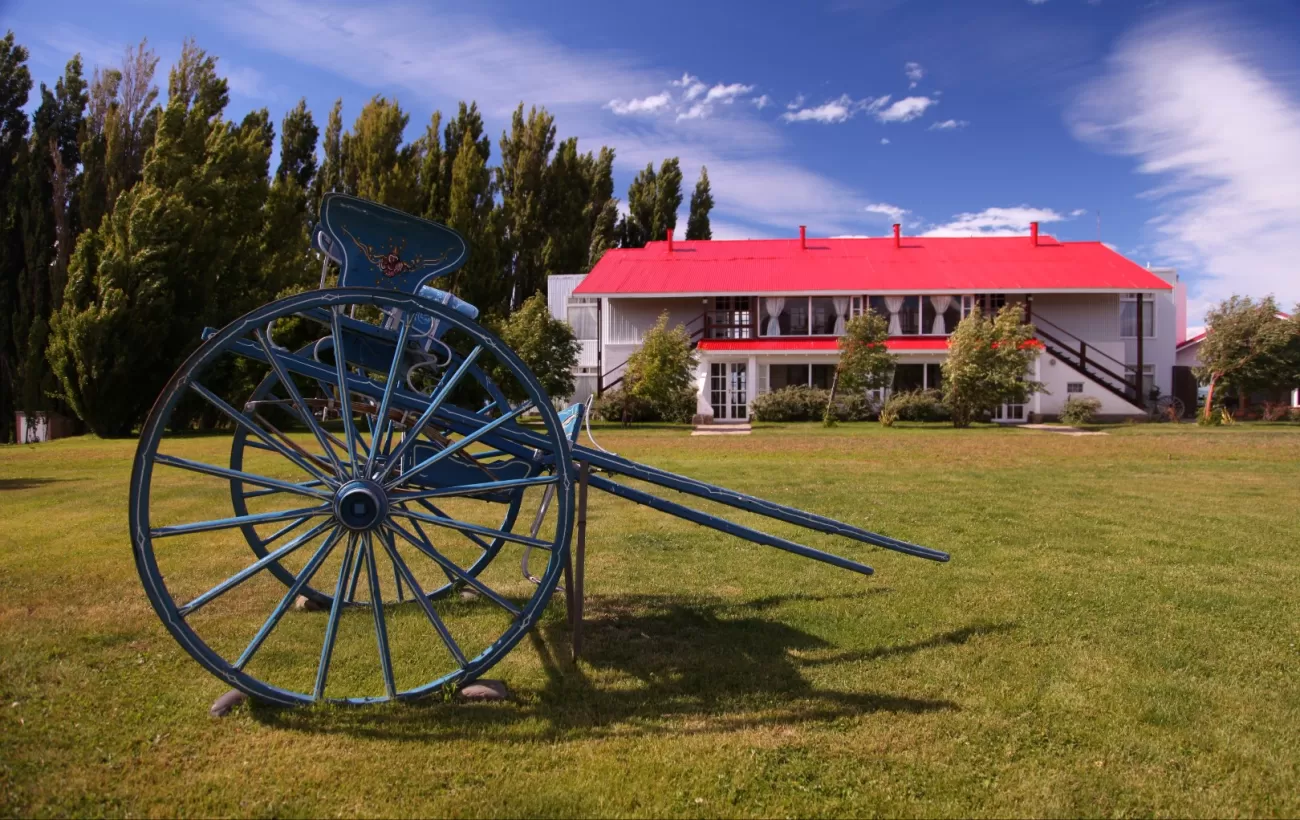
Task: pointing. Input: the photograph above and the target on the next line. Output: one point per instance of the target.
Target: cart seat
(379, 247)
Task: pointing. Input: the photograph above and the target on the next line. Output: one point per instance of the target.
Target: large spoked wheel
(376, 514)
(320, 399)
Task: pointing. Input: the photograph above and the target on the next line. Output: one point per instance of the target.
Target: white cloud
(885, 209)
(691, 86)
(904, 110)
(884, 140)
(646, 105)
(761, 102)
(1077, 212)
(797, 102)
(1189, 97)
(695, 112)
(726, 94)
(914, 73)
(1037, 2)
(832, 111)
(948, 125)
(995, 222)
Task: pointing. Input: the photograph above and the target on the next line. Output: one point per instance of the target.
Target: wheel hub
(360, 505)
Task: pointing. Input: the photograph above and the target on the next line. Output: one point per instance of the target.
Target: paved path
(1062, 430)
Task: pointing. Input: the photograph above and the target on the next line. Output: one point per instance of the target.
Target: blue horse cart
(382, 451)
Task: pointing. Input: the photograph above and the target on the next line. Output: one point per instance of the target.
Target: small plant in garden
(915, 405)
(987, 363)
(1080, 411)
(865, 361)
(800, 403)
(660, 372)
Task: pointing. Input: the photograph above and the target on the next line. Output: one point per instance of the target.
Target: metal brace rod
(721, 525)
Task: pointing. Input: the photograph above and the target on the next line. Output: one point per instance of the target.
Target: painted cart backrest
(380, 247)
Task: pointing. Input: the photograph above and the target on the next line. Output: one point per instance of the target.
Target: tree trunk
(1209, 396)
(828, 418)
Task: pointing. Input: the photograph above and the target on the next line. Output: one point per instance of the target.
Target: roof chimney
(1033, 233)
(669, 232)
(898, 235)
(803, 237)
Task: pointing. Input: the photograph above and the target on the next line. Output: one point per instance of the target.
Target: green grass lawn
(1118, 633)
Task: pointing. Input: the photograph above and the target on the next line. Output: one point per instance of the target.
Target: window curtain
(772, 306)
(894, 304)
(941, 305)
(841, 313)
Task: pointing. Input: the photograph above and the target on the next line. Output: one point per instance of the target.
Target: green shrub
(915, 405)
(1079, 411)
(809, 404)
(610, 405)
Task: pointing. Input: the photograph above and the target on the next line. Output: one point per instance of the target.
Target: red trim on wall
(790, 343)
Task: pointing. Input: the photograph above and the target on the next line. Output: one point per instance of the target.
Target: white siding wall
(558, 290)
(627, 320)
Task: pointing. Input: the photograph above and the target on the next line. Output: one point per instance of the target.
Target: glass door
(1010, 414)
(729, 390)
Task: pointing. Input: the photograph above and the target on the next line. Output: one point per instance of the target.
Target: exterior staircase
(1102, 369)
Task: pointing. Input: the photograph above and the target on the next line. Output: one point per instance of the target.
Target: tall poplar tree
(521, 179)
(15, 86)
(697, 224)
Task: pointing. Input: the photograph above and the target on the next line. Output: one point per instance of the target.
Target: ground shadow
(27, 483)
(719, 665)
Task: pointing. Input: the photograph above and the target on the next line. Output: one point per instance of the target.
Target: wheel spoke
(336, 610)
(400, 566)
(251, 570)
(428, 505)
(381, 419)
(237, 475)
(296, 397)
(381, 627)
(239, 521)
(412, 435)
(345, 397)
(243, 421)
(463, 526)
(462, 443)
(451, 568)
(261, 493)
(295, 588)
(474, 489)
(351, 597)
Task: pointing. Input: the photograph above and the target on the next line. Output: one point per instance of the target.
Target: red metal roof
(922, 264)
(785, 343)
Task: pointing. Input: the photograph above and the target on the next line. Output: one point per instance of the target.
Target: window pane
(908, 377)
(927, 315)
(582, 318)
(933, 376)
(794, 320)
(823, 316)
(822, 375)
(787, 375)
(877, 304)
(910, 314)
(952, 316)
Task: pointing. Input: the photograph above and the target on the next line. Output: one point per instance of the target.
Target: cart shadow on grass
(699, 666)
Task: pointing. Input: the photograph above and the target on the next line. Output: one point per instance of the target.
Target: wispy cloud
(645, 105)
(1012, 221)
(762, 101)
(948, 125)
(1188, 96)
(796, 103)
(726, 94)
(1078, 212)
(246, 82)
(691, 86)
(829, 112)
(884, 140)
(885, 209)
(914, 73)
(904, 110)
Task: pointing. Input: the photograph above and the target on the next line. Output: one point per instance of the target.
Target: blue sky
(1178, 121)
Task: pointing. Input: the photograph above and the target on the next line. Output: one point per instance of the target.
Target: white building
(767, 313)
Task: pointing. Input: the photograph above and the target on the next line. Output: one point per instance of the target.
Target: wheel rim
(363, 506)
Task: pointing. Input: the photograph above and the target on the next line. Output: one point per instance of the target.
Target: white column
(751, 385)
